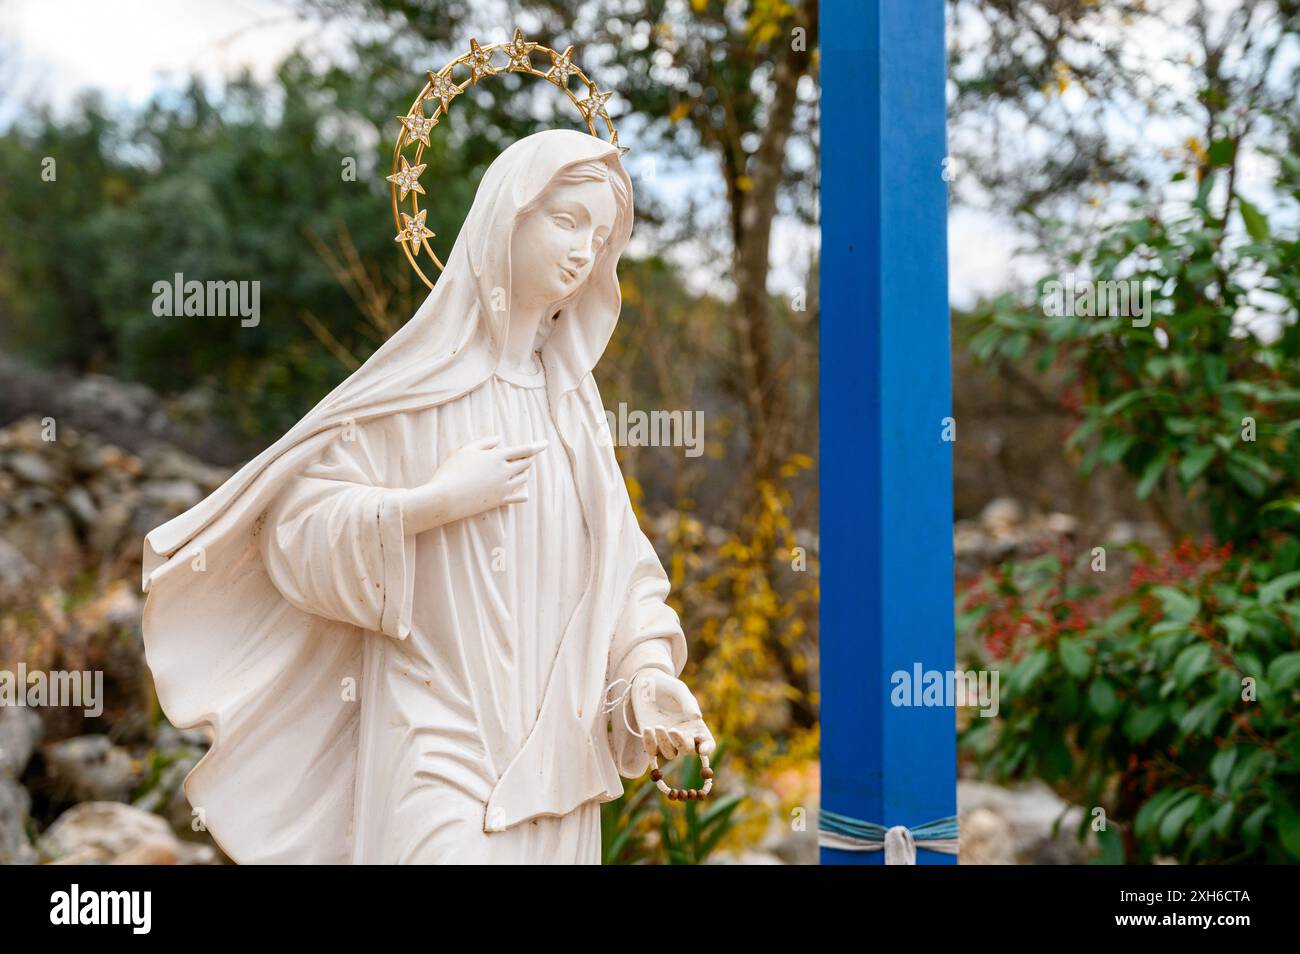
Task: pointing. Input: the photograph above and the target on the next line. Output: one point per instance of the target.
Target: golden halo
(441, 89)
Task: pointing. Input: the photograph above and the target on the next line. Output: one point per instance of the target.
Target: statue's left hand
(668, 716)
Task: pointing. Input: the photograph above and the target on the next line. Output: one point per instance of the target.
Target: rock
(172, 495)
(82, 505)
(110, 398)
(113, 833)
(151, 851)
(16, 571)
(167, 463)
(160, 500)
(122, 607)
(795, 848)
(167, 798)
(90, 768)
(179, 750)
(110, 531)
(94, 459)
(46, 537)
(1032, 813)
(33, 468)
(986, 839)
(20, 733)
(15, 803)
(1120, 533)
(27, 434)
(1061, 524)
(1001, 515)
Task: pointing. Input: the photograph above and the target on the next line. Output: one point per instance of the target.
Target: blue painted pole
(886, 471)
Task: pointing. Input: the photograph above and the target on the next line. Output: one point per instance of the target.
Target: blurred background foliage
(252, 179)
(1151, 678)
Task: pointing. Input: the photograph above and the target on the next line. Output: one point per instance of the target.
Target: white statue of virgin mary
(401, 620)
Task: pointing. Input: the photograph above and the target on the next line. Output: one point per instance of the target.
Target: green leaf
(1114, 447)
(1104, 701)
(1142, 722)
(1029, 669)
(1288, 829)
(1202, 717)
(1177, 817)
(1253, 826)
(1111, 843)
(1222, 763)
(1195, 461)
(1177, 605)
(1248, 770)
(1256, 221)
(1284, 670)
(1288, 505)
(1075, 658)
(1151, 473)
(1274, 590)
(1221, 152)
(1238, 629)
(1203, 193)
(1124, 400)
(1149, 814)
(1222, 819)
(1190, 663)
(1245, 478)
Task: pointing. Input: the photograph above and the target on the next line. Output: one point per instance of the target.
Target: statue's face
(556, 244)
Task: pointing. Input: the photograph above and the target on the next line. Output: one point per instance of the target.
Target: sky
(129, 49)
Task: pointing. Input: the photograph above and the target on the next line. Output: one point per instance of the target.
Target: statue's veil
(454, 341)
(227, 651)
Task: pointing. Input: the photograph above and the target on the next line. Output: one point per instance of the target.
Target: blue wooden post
(886, 472)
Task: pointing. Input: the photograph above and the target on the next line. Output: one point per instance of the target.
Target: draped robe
(378, 696)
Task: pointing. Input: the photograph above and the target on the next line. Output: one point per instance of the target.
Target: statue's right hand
(481, 476)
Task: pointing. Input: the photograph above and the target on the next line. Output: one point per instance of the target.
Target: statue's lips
(568, 273)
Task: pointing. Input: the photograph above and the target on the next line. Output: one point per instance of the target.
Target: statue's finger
(523, 451)
(680, 741)
(666, 745)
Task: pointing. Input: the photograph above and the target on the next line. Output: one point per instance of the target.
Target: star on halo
(414, 230)
(443, 88)
(418, 126)
(518, 50)
(407, 179)
(562, 69)
(613, 141)
(594, 104)
(480, 63)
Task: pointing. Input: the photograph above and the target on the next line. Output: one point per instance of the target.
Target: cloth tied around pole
(898, 842)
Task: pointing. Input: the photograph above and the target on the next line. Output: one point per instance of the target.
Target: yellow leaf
(1062, 77)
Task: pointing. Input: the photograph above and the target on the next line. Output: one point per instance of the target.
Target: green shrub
(1175, 706)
